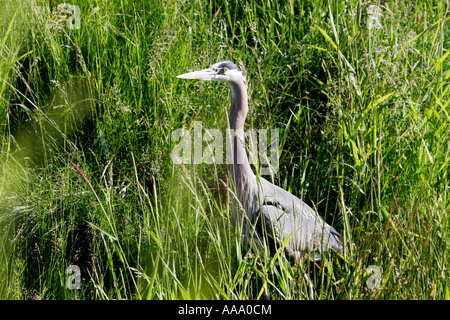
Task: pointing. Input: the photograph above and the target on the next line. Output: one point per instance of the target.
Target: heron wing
(290, 221)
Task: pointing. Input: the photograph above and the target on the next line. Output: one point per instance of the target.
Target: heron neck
(239, 105)
(241, 173)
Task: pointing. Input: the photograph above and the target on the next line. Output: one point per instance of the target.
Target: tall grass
(87, 115)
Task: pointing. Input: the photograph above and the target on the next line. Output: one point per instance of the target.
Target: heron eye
(223, 70)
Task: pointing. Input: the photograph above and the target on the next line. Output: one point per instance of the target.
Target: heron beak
(205, 74)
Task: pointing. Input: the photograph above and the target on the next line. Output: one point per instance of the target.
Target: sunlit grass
(86, 118)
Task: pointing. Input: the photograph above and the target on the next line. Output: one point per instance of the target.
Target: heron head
(220, 71)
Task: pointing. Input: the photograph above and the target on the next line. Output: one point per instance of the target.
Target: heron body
(261, 209)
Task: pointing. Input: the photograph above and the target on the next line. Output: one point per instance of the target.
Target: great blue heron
(269, 210)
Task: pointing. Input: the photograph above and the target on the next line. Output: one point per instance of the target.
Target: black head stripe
(227, 64)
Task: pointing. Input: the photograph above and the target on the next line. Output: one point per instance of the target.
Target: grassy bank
(359, 94)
